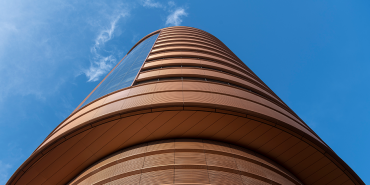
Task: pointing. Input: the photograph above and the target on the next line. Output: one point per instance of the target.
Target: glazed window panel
(124, 74)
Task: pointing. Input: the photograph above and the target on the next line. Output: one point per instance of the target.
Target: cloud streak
(100, 64)
(99, 67)
(152, 4)
(106, 35)
(176, 13)
(175, 18)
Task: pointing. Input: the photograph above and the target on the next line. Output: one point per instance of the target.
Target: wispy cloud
(100, 66)
(176, 13)
(107, 34)
(29, 49)
(152, 4)
(175, 18)
(100, 63)
(171, 3)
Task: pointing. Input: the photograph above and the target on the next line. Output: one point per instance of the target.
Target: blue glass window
(124, 74)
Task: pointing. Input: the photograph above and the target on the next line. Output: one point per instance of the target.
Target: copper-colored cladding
(191, 86)
(184, 161)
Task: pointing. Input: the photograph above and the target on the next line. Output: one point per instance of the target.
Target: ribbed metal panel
(222, 178)
(133, 179)
(185, 161)
(191, 85)
(157, 177)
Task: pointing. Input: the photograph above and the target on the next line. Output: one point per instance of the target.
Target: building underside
(182, 108)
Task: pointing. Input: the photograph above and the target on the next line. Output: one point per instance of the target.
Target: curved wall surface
(185, 161)
(190, 86)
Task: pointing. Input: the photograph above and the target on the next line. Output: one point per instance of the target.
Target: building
(181, 108)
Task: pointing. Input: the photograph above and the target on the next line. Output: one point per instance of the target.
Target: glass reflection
(125, 73)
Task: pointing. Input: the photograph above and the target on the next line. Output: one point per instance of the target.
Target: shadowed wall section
(189, 86)
(183, 161)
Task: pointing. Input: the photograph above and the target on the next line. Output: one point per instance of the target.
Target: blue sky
(315, 55)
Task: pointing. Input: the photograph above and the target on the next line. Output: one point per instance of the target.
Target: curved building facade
(181, 108)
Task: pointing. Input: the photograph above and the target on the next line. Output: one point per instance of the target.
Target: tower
(181, 108)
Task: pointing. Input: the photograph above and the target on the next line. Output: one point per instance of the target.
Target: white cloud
(152, 4)
(106, 35)
(101, 64)
(175, 18)
(99, 67)
(171, 3)
(176, 13)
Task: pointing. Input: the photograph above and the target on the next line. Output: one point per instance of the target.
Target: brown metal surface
(235, 108)
(185, 161)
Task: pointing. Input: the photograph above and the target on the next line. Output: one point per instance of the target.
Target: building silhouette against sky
(181, 108)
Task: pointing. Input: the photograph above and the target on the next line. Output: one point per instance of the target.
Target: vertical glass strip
(124, 74)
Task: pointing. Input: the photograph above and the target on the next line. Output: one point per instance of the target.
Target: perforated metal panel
(185, 161)
(191, 86)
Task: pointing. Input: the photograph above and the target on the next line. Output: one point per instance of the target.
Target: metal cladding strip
(187, 41)
(269, 92)
(173, 31)
(272, 104)
(246, 68)
(176, 45)
(116, 100)
(56, 128)
(201, 66)
(75, 111)
(223, 47)
(140, 41)
(186, 154)
(140, 112)
(62, 125)
(234, 55)
(184, 109)
(168, 41)
(221, 64)
(91, 173)
(172, 90)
